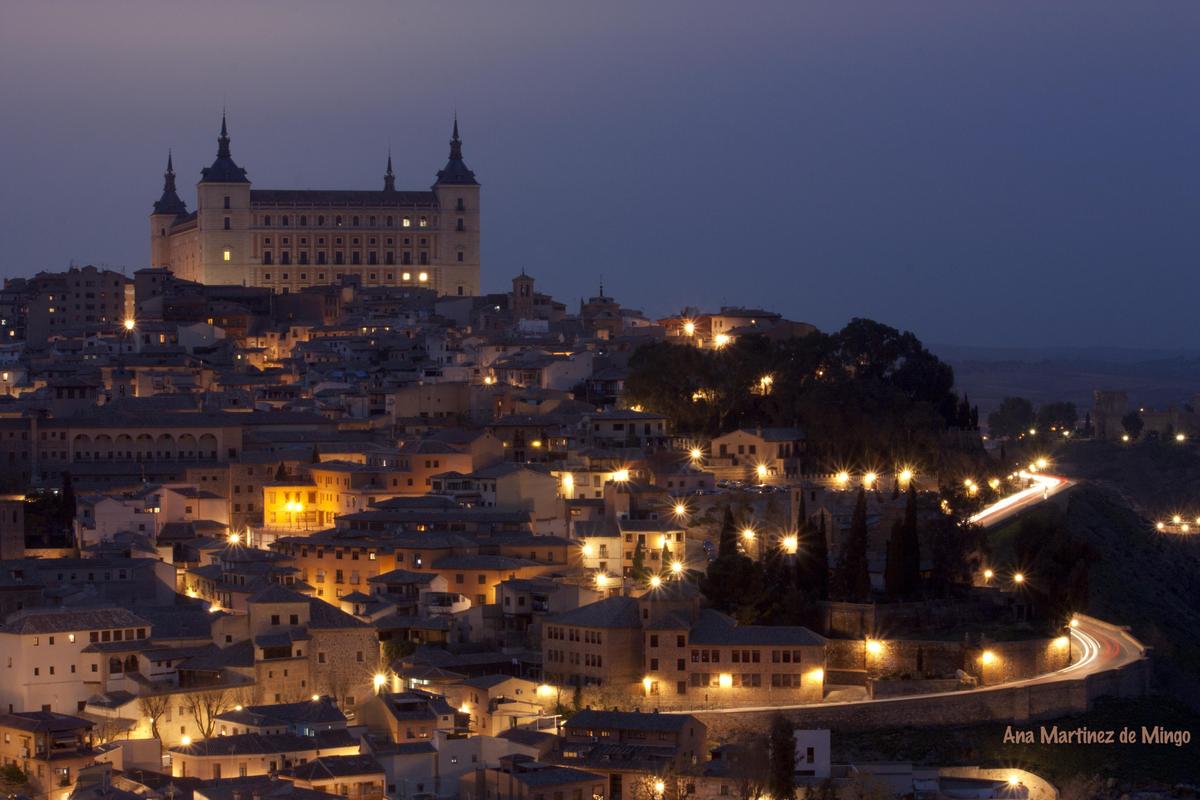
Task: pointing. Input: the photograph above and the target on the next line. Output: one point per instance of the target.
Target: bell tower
(223, 217)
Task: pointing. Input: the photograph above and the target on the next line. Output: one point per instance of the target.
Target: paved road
(1044, 487)
(1096, 647)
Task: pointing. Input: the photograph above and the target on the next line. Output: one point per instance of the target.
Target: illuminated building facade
(289, 239)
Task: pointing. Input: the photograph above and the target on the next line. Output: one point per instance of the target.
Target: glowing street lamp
(874, 647)
(1018, 577)
(689, 328)
(748, 534)
(842, 479)
(601, 580)
(988, 574)
(869, 479)
(680, 510)
(130, 324)
(234, 537)
(790, 544)
(655, 582)
(720, 340)
(1180, 437)
(761, 471)
(696, 454)
(905, 475)
(378, 681)
(1042, 463)
(987, 657)
(621, 476)
(676, 567)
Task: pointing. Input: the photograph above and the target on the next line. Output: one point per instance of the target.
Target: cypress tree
(727, 543)
(910, 543)
(638, 572)
(781, 775)
(853, 577)
(893, 573)
(817, 564)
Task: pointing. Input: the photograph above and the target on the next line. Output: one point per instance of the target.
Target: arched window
(131, 664)
(114, 666)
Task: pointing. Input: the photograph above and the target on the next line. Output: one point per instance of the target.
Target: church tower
(167, 210)
(223, 211)
(521, 301)
(458, 203)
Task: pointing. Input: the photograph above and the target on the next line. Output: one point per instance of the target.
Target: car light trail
(1043, 486)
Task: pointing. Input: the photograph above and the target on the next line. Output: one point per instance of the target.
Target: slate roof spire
(170, 202)
(455, 172)
(223, 169)
(389, 177)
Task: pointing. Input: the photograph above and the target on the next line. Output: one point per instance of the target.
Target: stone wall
(900, 688)
(998, 662)
(1030, 701)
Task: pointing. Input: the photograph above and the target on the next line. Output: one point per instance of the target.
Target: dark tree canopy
(864, 390)
(1014, 416)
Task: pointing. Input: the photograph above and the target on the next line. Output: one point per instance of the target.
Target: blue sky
(992, 173)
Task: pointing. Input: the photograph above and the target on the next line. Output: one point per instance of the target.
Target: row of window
(339, 257)
(355, 221)
(422, 277)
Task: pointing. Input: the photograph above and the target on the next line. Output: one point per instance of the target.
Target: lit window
(424, 276)
(229, 255)
(407, 277)
(407, 223)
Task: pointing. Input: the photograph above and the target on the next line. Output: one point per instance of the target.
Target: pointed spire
(169, 203)
(455, 171)
(389, 177)
(455, 143)
(223, 139)
(224, 169)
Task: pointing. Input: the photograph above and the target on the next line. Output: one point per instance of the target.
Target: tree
(638, 572)
(733, 584)
(749, 764)
(893, 572)
(1060, 415)
(727, 543)
(852, 578)
(69, 507)
(13, 781)
(665, 557)
(153, 707)
(205, 706)
(905, 549)
(281, 473)
(781, 776)
(1014, 416)
(812, 561)
(1133, 424)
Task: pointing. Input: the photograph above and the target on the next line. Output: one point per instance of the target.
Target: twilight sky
(991, 173)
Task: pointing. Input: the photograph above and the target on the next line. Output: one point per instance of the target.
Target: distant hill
(1151, 377)
(1144, 579)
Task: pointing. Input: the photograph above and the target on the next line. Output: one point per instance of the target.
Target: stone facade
(287, 239)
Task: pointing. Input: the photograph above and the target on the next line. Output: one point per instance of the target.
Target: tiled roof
(716, 628)
(611, 612)
(627, 720)
(59, 620)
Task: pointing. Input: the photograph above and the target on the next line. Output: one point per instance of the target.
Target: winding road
(1096, 645)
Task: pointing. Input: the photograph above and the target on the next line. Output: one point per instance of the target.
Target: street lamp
(676, 567)
(790, 544)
